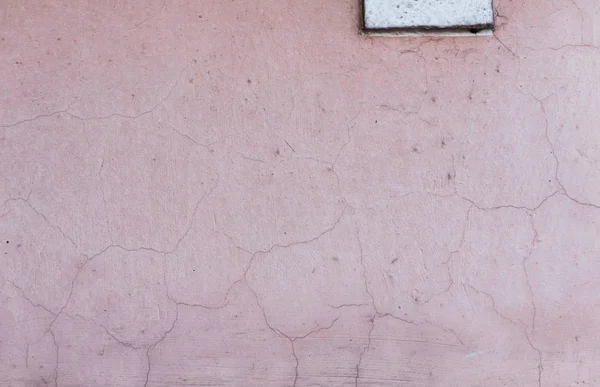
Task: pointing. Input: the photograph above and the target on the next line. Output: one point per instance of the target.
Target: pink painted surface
(250, 193)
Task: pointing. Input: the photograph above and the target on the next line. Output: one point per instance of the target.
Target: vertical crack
(542, 103)
(527, 281)
(362, 353)
(372, 319)
(292, 340)
(151, 347)
(108, 226)
(297, 361)
(540, 366)
(56, 362)
(277, 332)
(27, 355)
(519, 324)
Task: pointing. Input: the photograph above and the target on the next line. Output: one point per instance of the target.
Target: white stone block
(428, 16)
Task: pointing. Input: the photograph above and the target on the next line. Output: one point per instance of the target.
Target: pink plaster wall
(250, 193)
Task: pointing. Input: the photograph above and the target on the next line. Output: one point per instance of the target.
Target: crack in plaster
(28, 299)
(245, 276)
(52, 225)
(152, 346)
(162, 8)
(105, 117)
(374, 306)
(56, 360)
(519, 324)
(266, 251)
(291, 339)
(108, 226)
(49, 329)
(527, 281)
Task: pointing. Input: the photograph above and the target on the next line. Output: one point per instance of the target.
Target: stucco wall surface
(251, 193)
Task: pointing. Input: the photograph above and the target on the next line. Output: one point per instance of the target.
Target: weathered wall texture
(250, 193)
